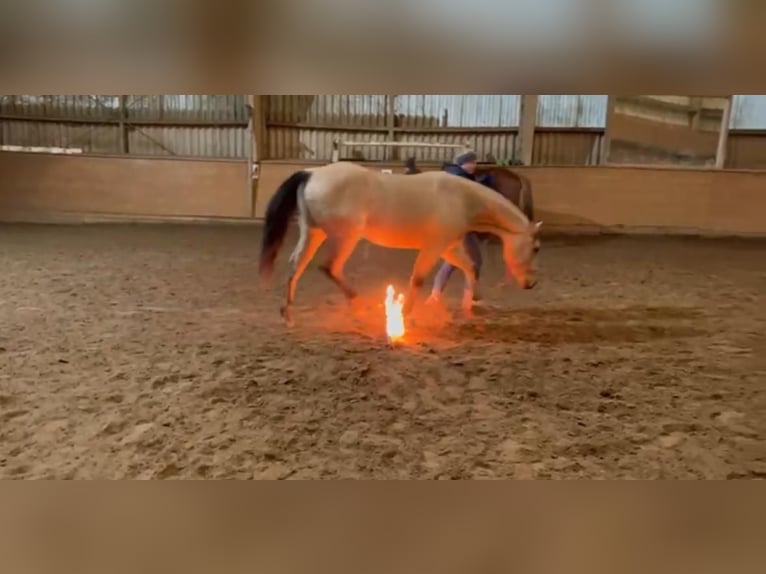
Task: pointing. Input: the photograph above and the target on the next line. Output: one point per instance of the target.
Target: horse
(515, 187)
(344, 202)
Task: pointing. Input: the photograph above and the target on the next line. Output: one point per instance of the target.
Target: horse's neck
(502, 213)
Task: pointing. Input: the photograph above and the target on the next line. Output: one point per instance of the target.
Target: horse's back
(340, 170)
(352, 183)
(347, 175)
(338, 178)
(345, 189)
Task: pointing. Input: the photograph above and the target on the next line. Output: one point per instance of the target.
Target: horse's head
(520, 254)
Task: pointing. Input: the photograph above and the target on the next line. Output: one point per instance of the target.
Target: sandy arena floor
(150, 352)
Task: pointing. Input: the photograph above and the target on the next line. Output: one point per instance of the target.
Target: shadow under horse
(515, 187)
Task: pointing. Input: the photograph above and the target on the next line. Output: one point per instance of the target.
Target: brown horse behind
(512, 185)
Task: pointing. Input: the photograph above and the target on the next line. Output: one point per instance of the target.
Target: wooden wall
(48, 187)
(42, 187)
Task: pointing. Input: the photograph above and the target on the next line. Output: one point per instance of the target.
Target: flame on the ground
(394, 317)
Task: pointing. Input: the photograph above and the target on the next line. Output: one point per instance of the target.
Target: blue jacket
(486, 180)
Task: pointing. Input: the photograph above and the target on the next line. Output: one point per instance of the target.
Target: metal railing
(338, 144)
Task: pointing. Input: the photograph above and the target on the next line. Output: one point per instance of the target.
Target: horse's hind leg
(458, 257)
(310, 241)
(342, 248)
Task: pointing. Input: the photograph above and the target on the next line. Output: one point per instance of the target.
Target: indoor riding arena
(138, 341)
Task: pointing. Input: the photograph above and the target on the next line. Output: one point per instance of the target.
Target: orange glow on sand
(394, 317)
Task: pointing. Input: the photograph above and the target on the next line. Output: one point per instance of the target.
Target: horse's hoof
(287, 316)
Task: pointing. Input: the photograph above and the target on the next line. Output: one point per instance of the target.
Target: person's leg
(473, 249)
(440, 281)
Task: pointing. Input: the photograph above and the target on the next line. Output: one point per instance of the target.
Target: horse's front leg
(424, 262)
(458, 256)
(342, 248)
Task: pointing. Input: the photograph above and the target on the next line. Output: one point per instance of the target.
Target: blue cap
(465, 157)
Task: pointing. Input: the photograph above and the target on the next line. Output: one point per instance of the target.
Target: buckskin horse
(344, 202)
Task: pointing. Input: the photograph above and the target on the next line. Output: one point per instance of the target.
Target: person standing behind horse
(464, 165)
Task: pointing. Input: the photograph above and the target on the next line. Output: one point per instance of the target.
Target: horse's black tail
(280, 210)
